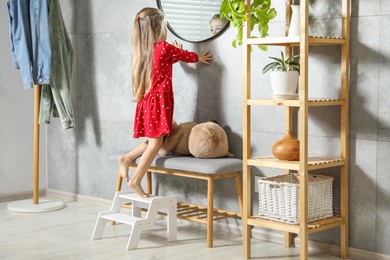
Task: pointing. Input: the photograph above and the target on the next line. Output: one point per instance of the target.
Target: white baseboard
(278, 238)
(68, 196)
(323, 247)
(236, 228)
(21, 195)
(355, 253)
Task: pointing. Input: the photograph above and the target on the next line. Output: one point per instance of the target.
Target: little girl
(152, 87)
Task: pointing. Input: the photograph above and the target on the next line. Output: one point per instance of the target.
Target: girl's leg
(125, 160)
(153, 145)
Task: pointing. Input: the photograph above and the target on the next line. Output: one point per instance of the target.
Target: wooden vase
(286, 148)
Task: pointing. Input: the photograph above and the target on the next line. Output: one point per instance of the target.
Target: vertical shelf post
(303, 129)
(344, 129)
(247, 202)
(288, 111)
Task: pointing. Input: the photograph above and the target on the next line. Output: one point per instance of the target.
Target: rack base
(27, 206)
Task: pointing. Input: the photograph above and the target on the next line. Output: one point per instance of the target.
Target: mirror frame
(226, 26)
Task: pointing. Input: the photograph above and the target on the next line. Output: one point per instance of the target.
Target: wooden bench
(201, 169)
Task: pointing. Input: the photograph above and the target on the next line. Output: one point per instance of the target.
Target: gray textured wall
(101, 34)
(17, 125)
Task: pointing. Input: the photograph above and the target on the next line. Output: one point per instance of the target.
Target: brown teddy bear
(208, 140)
(205, 140)
(177, 141)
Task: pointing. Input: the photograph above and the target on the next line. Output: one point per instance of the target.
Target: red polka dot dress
(154, 112)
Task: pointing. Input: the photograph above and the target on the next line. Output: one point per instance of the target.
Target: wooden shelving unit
(306, 163)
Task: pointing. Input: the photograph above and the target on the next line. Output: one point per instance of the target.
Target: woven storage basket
(279, 197)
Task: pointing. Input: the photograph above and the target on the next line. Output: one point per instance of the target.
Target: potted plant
(284, 76)
(259, 15)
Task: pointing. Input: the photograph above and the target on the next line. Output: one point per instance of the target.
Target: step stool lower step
(121, 218)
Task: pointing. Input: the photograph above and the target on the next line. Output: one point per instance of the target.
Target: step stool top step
(134, 197)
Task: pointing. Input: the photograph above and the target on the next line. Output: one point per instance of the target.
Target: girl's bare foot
(136, 187)
(123, 170)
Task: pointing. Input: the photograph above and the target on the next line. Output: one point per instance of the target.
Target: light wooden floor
(66, 234)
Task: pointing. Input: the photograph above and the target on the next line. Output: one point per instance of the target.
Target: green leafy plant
(282, 64)
(259, 16)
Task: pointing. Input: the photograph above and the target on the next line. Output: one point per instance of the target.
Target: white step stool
(154, 204)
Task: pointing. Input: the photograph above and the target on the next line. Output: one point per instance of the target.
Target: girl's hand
(177, 44)
(205, 57)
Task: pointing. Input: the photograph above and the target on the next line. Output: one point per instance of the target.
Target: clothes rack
(36, 204)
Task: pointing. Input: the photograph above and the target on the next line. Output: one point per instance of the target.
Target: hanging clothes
(30, 40)
(56, 97)
(43, 52)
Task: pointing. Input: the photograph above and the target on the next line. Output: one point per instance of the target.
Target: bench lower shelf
(196, 213)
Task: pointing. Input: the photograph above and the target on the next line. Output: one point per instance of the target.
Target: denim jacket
(30, 40)
(56, 97)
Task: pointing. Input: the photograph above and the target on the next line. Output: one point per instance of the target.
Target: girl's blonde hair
(149, 27)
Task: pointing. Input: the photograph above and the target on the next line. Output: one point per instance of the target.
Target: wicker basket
(279, 197)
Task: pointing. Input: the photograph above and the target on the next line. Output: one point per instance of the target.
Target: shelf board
(295, 102)
(314, 163)
(314, 226)
(295, 40)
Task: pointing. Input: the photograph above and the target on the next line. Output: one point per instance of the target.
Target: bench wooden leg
(237, 179)
(118, 188)
(119, 183)
(149, 182)
(148, 187)
(210, 210)
(288, 239)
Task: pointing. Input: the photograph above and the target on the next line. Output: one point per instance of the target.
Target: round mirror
(193, 20)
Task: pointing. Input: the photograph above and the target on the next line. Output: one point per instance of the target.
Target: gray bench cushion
(193, 164)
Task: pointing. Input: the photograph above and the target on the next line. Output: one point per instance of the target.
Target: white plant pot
(284, 82)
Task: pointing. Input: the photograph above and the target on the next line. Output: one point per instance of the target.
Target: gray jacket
(56, 97)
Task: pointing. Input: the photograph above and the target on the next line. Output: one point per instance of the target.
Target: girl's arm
(178, 54)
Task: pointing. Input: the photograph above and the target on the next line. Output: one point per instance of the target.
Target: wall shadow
(87, 108)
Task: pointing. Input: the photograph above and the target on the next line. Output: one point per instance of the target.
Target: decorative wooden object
(286, 148)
